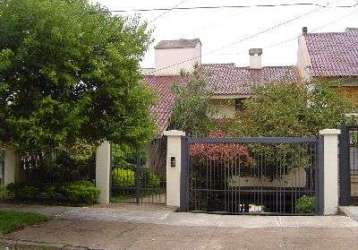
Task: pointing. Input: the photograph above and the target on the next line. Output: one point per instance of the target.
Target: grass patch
(11, 221)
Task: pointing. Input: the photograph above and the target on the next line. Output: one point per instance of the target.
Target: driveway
(143, 227)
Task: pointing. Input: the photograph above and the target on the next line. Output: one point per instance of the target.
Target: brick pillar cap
(330, 132)
(174, 133)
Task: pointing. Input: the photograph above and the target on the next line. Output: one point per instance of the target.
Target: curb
(34, 245)
(345, 211)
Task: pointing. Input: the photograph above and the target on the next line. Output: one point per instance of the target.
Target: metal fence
(348, 165)
(250, 175)
(2, 170)
(136, 183)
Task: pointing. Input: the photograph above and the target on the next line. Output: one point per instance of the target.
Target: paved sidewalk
(350, 211)
(161, 215)
(148, 227)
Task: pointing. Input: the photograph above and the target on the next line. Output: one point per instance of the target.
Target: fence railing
(256, 175)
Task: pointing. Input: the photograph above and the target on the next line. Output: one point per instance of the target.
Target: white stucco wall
(331, 163)
(224, 111)
(255, 61)
(172, 61)
(295, 178)
(173, 173)
(223, 108)
(103, 171)
(10, 166)
(303, 59)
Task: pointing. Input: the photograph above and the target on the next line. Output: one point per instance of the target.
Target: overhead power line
(166, 12)
(272, 45)
(231, 7)
(340, 18)
(245, 38)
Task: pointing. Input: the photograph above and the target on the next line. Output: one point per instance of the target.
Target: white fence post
(10, 166)
(330, 170)
(103, 171)
(173, 166)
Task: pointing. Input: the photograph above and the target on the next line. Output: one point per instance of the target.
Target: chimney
(304, 30)
(255, 58)
(351, 29)
(174, 56)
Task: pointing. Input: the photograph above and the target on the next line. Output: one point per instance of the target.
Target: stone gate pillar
(103, 171)
(11, 165)
(173, 166)
(330, 169)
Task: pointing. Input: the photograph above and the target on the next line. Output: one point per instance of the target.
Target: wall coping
(174, 133)
(330, 132)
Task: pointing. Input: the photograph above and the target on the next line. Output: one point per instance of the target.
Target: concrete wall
(223, 108)
(295, 178)
(173, 172)
(175, 59)
(350, 92)
(11, 165)
(354, 185)
(303, 59)
(103, 171)
(330, 170)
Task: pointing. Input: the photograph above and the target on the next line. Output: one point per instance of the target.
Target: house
(330, 56)
(230, 84)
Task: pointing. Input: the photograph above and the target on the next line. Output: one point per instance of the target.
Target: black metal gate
(348, 169)
(250, 175)
(138, 183)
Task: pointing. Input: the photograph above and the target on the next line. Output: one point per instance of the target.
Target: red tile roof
(226, 79)
(161, 86)
(223, 79)
(333, 54)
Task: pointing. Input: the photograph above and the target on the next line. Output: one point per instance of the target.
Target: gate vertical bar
(344, 168)
(184, 175)
(137, 179)
(319, 176)
(111, 172)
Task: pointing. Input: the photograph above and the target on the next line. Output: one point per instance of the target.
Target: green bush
(3, 193)
(74, 192)
(123, 177)
(305, 205)
(81, 192)
(152, 180)
(22, 191)
(51, 193)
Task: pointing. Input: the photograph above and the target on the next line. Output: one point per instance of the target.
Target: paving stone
(148, 228)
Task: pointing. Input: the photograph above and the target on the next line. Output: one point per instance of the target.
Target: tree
(69, 71)
(291, 110)
(192, 110)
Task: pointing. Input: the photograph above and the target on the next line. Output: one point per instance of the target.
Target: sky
(227, 34)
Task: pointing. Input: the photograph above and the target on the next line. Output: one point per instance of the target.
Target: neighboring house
(332, 56)
(230, 84)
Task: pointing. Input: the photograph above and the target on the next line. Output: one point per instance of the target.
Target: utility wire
(296, 37)
(272, 45)
(176, 7)
(166, 11)
(244, 38)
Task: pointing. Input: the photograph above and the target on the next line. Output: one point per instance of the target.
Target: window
(239, 104)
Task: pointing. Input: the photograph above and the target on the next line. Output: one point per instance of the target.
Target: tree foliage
(192, 109)
(291, 110)
(69, 71)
